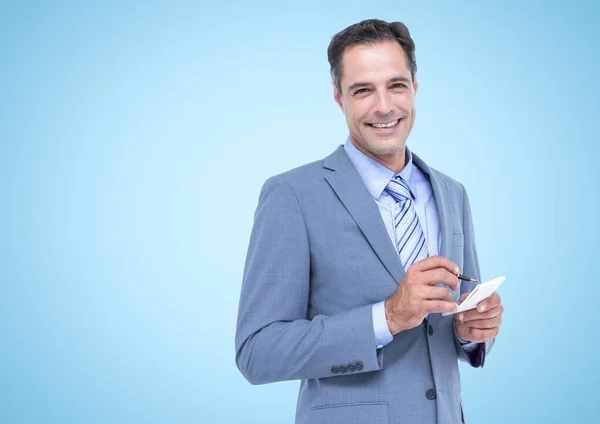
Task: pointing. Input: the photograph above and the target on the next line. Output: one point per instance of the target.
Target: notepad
(480, 292)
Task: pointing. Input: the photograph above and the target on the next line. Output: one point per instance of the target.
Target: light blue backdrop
(135, 137)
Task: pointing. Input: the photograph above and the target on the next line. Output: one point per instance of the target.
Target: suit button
(430, 394)
(335, 370)
(359, 366)
(343, 369)
(351, 368)
(430, 330)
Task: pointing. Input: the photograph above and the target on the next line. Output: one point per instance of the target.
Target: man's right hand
(418, 296)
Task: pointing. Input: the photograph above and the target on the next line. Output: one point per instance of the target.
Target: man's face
(378, 99)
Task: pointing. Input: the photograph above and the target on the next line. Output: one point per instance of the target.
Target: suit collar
(352, 192)
(339, 161)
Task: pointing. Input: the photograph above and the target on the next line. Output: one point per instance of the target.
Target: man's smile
(385, 126)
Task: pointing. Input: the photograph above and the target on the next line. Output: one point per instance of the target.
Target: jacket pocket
(350, 413)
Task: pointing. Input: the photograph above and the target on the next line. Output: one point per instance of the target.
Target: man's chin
(387, 149)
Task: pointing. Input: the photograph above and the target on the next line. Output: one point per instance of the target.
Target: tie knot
(398, 189)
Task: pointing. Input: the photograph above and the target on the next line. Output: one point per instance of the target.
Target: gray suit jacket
(319, 258)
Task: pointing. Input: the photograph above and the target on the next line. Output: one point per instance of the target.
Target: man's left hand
(481, 324)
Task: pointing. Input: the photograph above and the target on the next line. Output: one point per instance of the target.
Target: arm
(275, 340)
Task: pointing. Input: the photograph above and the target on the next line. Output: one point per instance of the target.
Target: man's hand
(481, 324)
(418, 296)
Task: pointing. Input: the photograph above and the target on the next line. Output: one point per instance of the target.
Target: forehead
(373, 63)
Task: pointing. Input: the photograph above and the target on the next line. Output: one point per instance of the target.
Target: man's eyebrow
(400, 79)
(367, 84)
(359, 84)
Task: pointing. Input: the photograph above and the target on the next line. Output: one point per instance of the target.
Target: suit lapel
(443, 203)
(351, 190)
(445, 211)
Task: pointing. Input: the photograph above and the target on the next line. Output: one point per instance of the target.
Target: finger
(474, 314)
(436, 293)
(489, 303)
(485, 324)
(439, 307)
(483, 335)
(434, 262)
(440, 275)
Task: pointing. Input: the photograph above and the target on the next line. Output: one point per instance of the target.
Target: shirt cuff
(380, 326)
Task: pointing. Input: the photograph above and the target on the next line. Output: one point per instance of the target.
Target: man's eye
(399, 85)
(360, 91)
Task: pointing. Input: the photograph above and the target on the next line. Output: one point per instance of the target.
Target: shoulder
(302, 174)
(295, 183)
(309, 176)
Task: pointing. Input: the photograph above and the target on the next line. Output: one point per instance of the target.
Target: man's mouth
(390, 124)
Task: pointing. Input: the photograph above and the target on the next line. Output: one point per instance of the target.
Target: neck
(395, 161)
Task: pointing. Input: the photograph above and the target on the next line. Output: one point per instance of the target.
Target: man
(354, 258)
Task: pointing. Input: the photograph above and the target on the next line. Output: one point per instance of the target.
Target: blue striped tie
(410, 240)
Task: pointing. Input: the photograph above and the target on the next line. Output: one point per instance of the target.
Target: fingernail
(482, 308)
(456, 270)
(460, 317)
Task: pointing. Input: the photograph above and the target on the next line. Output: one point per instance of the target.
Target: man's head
(373, 71)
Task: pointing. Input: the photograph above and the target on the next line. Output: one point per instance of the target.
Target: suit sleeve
(475, 357)
(275, 341)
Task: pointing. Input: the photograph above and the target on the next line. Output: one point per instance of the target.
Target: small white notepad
(480, 292)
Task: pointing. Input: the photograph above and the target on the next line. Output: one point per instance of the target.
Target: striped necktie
(410, 239)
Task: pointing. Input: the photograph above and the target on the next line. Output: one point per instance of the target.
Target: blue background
(134, 140)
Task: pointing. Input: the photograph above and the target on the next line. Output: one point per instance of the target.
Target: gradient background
(122, 125)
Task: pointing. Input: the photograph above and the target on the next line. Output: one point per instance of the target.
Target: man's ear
(337, 96)
(416, 84)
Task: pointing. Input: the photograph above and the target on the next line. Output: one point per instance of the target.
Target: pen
(465, 278)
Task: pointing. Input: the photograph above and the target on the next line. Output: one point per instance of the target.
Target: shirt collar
(375, 175)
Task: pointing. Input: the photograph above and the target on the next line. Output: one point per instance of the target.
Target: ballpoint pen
(465, 278)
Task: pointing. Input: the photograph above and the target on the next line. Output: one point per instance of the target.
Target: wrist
(392, 325)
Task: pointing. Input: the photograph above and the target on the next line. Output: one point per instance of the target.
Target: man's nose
(384, 103)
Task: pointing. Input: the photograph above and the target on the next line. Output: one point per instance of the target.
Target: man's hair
(369, 32)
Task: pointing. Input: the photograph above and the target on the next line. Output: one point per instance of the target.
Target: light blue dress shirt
(376, 177)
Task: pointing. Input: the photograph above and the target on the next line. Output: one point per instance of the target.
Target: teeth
(388, 125)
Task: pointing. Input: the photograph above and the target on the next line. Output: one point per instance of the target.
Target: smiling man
(354, 258)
